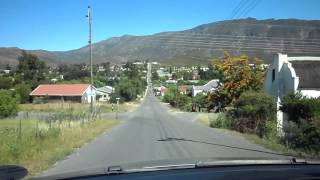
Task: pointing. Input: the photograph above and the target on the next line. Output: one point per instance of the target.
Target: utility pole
(90, 50)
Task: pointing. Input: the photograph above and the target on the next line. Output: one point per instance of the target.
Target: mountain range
(257, 38)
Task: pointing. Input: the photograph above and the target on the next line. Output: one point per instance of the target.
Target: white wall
(86, 97)
(311, 93)
(285, 82)
(285, 77)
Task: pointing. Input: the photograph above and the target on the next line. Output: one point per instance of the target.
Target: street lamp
(89, 16)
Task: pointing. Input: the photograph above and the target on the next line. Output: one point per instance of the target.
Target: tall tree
(31, 68)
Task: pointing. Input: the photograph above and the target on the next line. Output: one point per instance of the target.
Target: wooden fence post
(20, 128)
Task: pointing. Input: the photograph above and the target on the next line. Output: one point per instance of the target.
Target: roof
(308, 73)
(106, 89)
(207, 87)
(60, 90)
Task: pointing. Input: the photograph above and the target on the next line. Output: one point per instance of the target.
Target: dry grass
(77, 107)
(38, 153)
(55, 107)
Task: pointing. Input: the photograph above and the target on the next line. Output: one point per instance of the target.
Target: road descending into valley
(136, 139)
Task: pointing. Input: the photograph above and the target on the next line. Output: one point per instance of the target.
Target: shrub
(303, 127)
(252, 112)
(299, 107)
(8, 104)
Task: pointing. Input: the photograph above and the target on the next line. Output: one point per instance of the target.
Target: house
(7, 71)
(291, 74)
(209, 87)
(104, 93)
(160, 91)
(183, 89)
(101, 69)
(64, 92)
(162, 73)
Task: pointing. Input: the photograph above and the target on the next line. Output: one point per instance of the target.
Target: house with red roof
(82, 93)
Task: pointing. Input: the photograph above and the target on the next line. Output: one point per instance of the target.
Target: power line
(249, 8)
(237, 8)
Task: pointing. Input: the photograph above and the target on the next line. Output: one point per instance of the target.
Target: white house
(65, 92)
(103, 93)
(209, 87)
(291, 74)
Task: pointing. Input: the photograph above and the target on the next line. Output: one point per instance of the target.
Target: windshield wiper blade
(222, 145)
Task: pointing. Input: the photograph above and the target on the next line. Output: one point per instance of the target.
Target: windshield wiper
(221, 145)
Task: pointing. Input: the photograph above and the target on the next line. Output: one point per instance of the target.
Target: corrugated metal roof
(60, 90)
(207, 87)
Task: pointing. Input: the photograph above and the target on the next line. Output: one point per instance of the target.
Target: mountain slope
(260, 38)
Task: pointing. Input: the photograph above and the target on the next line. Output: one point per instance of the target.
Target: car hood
(166, 164)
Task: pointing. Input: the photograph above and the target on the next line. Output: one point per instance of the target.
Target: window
(273, 74)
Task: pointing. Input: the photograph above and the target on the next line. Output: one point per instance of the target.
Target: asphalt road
(136, 139)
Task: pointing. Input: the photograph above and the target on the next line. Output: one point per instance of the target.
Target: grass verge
(206, 118)
(124, 107)
(273, 144)
(38, 147)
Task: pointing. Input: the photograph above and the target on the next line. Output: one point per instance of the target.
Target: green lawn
(39, 146)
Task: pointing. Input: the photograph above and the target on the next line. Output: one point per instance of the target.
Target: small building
(104, 93)
(209, 87)
(160, 91)
(291, 74)
(81, 93)
(7, 71)
(183, 89)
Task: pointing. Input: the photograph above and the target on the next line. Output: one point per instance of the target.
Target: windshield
(91, 84)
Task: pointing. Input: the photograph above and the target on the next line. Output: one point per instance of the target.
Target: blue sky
(61, 24)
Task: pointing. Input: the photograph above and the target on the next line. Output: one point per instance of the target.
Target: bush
(8, 104)
(252, 112)
(303, 127)
(299, 107)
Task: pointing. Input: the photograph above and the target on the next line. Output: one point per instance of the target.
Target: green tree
(31, 68)
(200, 101)
(155, 76)
(171, 95)
(23, 90)
(5, 82)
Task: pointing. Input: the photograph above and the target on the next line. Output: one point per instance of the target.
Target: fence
(43, 122)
